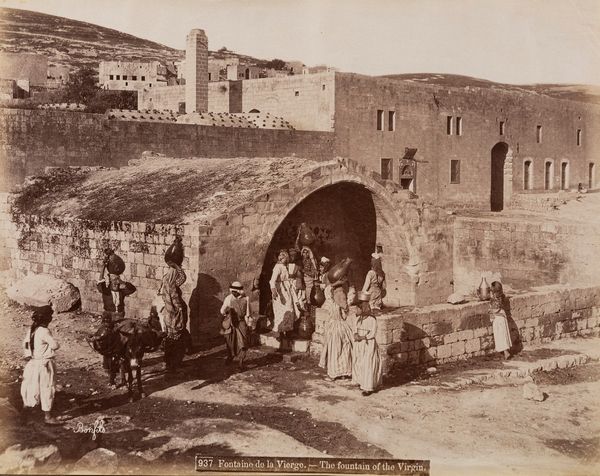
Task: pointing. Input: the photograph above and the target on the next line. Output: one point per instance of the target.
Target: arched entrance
(343, 218)
(501, 176)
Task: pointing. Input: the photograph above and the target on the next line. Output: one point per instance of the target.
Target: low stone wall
(445, 333)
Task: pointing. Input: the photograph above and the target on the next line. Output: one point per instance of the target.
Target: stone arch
(366, 210)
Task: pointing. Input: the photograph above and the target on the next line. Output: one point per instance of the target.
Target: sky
(511, 41)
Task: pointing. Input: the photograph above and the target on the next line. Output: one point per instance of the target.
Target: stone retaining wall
(445, 333)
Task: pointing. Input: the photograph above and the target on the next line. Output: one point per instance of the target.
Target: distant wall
(526, 253)
(305, 101)
(33, 139)
(161, 98)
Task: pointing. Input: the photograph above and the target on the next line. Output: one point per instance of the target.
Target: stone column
(196, 78)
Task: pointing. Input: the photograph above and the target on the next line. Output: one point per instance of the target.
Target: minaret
(196, 68)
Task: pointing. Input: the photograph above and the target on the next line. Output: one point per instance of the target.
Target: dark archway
(499, 153)
(343, 217)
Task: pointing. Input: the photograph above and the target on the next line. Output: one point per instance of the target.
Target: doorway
(499, 153)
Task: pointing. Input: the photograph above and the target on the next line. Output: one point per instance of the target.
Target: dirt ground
(280, 407)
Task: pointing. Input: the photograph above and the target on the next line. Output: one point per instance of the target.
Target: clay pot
(174, 253)
(306, 237)
(304, 328)
(317, 296)
(339, 271)
(115, 264)
(483, 291)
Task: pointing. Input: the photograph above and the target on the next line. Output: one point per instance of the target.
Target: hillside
(77, 44)
(573, 92)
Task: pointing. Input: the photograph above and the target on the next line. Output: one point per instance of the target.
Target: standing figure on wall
(375, 283)
(284, 311)
(336, 355)
(236, 311)
(113, 291)
(177, 340)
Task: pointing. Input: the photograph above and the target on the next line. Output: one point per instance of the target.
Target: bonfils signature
(97, 427)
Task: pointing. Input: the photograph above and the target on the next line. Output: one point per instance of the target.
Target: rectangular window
(502, 128)
(386, 169)
(118, 76)
(143, 78)
(210, 76)
(578, 136)
(539, 134)
(124, 77)
(449, 125)
(379, 120)
(455, 171)
(391, 120)
(459, 126)
(110, 76)
(134, 78)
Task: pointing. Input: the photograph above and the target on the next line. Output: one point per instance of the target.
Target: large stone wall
(421, 113)
(33, 139)
(305, 101)
(447, 333)
(526, 253)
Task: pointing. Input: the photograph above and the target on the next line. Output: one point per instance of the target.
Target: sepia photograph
(300, 237)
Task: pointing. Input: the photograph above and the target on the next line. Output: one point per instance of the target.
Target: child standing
(502, 338)
(366, 365)
(39, 379)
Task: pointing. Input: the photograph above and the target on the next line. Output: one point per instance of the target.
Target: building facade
(130, 75)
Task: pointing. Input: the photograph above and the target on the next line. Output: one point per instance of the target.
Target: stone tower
(196, 77)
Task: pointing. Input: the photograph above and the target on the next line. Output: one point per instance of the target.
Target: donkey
(126, 342)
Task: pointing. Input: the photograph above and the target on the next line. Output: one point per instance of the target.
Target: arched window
(528, 175)
(254, 111)
(564, 175)
(548, 175)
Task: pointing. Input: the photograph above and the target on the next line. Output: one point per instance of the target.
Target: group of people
(349, 349)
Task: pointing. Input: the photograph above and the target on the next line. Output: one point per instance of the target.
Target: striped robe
(336, 355)
(366, 365)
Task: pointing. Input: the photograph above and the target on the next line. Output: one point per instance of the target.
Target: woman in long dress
(174, 314)
(375, 283)
(502, 339)
(336, 355)
(366, 364)
(39, 375)
(284, 310)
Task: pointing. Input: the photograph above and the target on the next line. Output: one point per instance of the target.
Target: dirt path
(279, 407)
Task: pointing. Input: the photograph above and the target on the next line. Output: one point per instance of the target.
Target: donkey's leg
(129, 382)
(138, 374)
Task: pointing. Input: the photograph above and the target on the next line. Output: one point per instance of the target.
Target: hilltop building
(131, 75)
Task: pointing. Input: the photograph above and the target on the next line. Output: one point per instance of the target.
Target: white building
(130, 75)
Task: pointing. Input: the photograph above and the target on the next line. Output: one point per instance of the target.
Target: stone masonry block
(444, 351)
(458, 348)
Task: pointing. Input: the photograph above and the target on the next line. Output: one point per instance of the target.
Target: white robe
(38, 384)
(284, 310)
